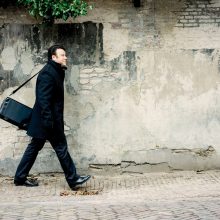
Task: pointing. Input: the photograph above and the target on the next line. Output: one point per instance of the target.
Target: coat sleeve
(44, 94)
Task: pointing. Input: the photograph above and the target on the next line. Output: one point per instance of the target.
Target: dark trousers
(30, 155)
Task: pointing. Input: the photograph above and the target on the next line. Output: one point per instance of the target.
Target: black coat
(47, 116)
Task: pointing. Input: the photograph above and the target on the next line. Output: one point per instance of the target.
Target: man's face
(60, 57)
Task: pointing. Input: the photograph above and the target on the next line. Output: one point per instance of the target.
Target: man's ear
(53, 57)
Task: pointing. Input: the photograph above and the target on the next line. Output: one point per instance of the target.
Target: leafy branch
(49, 10)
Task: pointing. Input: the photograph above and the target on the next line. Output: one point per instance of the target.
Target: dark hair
(52, 50)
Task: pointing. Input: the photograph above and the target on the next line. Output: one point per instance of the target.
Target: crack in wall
(125, 166)
(173, 160)
(198, 151)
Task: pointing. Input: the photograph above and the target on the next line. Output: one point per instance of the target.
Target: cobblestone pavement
(178, 195)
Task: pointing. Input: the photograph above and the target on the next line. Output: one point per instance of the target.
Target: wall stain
(126, 61)
(36, 39)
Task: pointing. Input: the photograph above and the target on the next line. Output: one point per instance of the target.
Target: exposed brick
(183, 21)
(202, 17)
(179, 25)
(189, 17)
(206, 21)
(191, 25)
(202, 12)
(192, 6)
(192, 21)
(87, 70)
(202, 6)
(189, 9)
(93, 74)
(84, 81)
(100, 70)
(182, 17)
(215, 16)
(215, 9)
(101, 74)
(194, 13)
(184, 13)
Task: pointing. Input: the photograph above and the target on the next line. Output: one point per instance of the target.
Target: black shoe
(28, 183)
(80, 180)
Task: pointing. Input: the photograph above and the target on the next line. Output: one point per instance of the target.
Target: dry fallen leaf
(79, 193)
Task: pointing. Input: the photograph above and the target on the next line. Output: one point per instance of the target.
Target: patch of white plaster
(8, 59)
(27, 63)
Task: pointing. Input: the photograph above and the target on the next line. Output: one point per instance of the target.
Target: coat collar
(57, 66)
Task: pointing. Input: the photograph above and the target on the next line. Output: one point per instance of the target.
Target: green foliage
(55, 9)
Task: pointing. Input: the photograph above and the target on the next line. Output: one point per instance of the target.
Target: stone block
(192, 9)
(183, 21)
(202, 17)
(192, 21)
(88, 70)
(93, 75)
(191, 25)
(84, 81)
(188, 17)
(202, 5)
(194, 13)
(185, 13)
(206, 21)
(101, 75)
(100, 70)
(179, 25)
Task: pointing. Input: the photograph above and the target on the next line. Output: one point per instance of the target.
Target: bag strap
(14, 91)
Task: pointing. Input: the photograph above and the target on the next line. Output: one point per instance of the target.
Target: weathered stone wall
(142, 88)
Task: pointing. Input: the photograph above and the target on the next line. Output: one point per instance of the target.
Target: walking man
(47, 121)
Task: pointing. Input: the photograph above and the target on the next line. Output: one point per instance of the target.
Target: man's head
(57, 53)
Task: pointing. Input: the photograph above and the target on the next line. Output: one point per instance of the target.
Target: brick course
(196, 13)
